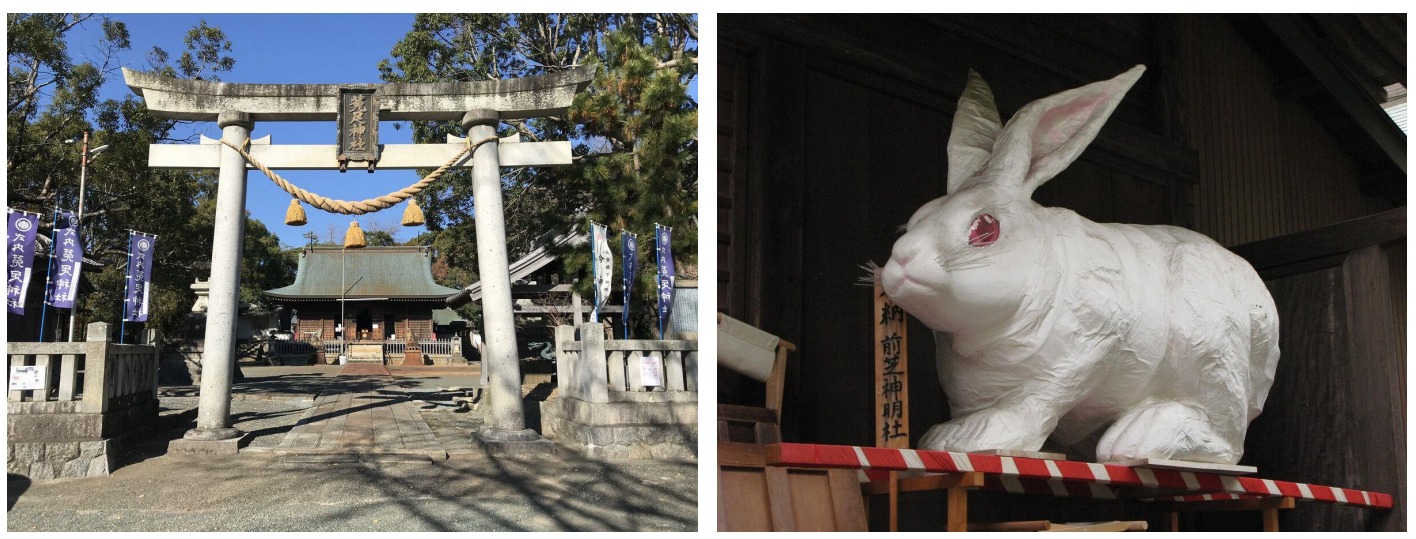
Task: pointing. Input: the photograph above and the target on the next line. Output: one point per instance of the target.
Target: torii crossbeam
(357, 108)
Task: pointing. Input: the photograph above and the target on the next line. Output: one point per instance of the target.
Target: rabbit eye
(984, 230)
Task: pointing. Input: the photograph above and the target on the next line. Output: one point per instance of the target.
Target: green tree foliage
(53, 97)
(634, 131)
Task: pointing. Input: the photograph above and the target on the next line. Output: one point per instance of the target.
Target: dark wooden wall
(1340, 389)
(1252, 147)
(407, 315)
(837, 125)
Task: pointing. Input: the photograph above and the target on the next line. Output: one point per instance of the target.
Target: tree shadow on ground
(292, 385)
(15, 486)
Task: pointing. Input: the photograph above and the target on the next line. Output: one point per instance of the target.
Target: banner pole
(48, 267)
(594, 277)
(127, 287)
(658, 270)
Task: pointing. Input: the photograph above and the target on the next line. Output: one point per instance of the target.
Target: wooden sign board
(892, 397)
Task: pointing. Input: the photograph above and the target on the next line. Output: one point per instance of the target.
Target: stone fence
(597, 370)
(603, 404)
(92, 393)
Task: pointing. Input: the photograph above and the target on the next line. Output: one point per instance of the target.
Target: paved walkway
(258, 491)
(361, 415)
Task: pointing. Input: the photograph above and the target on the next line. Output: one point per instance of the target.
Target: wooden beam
(741, 454)
(1334, 239)
(926, 482)
(1242, 504)
(1308, 47)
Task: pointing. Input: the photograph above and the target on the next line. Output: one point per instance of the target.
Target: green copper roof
(372, 272)
(446, 317)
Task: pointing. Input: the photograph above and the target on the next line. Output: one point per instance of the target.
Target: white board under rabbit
(1137, 341)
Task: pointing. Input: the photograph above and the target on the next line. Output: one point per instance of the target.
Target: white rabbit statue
(1049, 324)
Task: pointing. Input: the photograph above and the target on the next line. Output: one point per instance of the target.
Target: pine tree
(634, 132)
(54, 97)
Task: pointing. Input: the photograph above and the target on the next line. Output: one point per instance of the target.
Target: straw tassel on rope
(354, 238)
(412, 215)
(295, 214)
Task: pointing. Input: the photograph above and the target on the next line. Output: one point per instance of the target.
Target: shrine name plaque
(892, 398)
(358, 125)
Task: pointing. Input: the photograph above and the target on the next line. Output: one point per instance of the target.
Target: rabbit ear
(976, 126)
(1048, 134)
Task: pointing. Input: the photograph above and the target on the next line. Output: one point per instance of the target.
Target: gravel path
(254, 491)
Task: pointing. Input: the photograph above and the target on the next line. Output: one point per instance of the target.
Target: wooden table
(1176, 490)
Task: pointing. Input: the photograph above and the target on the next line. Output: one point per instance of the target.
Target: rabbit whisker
(969, 259)
(976, 265)
(872, 274)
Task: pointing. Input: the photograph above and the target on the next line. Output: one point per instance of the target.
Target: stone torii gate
(478, 105)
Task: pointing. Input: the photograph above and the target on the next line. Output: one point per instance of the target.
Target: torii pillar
(479, 105)
(224, 300)
(507, 424)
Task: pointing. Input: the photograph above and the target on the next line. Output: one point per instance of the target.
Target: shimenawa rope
(363, 206)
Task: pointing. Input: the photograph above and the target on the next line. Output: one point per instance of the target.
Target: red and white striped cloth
(1061, 477)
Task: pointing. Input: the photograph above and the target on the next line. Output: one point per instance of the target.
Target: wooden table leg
(894, 502)
(958, 509)
(1271, 519)
(1267, 507)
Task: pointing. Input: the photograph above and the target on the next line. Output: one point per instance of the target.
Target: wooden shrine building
(388, 294)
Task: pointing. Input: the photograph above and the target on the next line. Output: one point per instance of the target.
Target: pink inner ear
(983, 231)
(1059, 124)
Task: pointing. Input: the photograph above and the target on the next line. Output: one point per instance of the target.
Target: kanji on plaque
(892, 395)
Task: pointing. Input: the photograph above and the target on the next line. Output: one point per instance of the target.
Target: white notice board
(22, 378)
(651, 371)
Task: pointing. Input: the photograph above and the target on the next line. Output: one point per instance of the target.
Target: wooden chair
(762, 357)
(753, 496)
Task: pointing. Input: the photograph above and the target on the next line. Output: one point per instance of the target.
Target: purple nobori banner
(630, 248)
(68, 258)
(140, 258)
(604, 266)
(20, 230)
(663, 245)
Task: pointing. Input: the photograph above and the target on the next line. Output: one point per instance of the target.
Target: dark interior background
(1263, 132)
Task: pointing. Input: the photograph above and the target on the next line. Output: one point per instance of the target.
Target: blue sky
(288, 48)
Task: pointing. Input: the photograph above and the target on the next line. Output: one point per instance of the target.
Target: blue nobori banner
(67, 258)
(630, 248)
(140, 258)
(663, 245)
(19, 232)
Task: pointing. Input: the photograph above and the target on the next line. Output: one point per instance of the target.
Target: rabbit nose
(905, 250)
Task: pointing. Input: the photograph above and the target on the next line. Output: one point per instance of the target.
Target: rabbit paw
(987, 429)
(1165, 430)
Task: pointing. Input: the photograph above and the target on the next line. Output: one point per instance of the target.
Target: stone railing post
(155, 339)
(592, 373)
(564, 364)
(95, 369)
